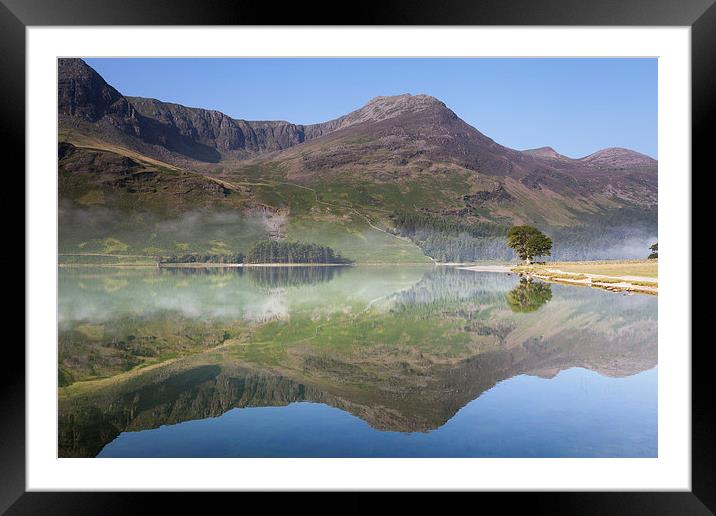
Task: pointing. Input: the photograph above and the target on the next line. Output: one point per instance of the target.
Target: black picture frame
(700, 15)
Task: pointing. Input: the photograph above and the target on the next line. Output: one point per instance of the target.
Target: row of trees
(271, 251)
(449, 239)
(452, 245)
(462, 248)
(410, 224)
(618, 234)
(266, 251)
(528, 242)
(444, 245)
(203, 258)
(282, 277)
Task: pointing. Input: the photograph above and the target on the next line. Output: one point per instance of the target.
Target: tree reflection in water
(528, 296)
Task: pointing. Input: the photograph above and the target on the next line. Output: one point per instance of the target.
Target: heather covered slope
(425, 161)
(113, 203)
(399, 178)
(116, 202)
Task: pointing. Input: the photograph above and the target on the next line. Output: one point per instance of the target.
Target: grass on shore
(105, 259)
(612, 268)
(612, 275)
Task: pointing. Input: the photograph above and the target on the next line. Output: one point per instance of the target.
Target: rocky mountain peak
(617, 157)
(382, 108)
(405, 101)
(376, 110)
(83, 93)
(544, 152)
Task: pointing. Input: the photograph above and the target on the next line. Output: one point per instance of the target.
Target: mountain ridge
(331, 182)
(84, 93)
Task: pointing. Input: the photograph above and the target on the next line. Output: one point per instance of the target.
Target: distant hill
(345, 182)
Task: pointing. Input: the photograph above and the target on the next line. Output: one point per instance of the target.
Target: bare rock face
(161, 129)
(86, 102)
(83, 93)
(217, 130)
(226, 134)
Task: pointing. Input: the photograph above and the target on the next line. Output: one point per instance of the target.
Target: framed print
(416, 253)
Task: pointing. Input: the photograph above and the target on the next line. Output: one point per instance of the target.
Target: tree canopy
(654, 251)
(451, 239)
(528, 242)
(203, 258)
(271, 251)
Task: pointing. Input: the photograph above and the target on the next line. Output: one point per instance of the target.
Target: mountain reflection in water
(401, 349)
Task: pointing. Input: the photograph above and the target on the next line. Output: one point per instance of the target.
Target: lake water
(351, 362)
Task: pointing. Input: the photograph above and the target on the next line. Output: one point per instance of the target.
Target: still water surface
(352, 362)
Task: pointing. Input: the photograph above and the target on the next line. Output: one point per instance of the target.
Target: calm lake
(351, 362)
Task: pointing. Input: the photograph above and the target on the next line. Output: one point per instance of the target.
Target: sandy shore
(612, 284)
(555, 274)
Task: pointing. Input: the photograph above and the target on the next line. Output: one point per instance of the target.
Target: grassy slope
(346, 212)
(344, 206)
(373, 178)
(168, 217)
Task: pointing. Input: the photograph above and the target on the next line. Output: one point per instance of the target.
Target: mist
(105, 230)
(611, 243)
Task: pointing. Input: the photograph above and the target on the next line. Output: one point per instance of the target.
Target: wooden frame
(700, 15)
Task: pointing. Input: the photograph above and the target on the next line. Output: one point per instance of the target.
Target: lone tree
(528, 242)
(654, 251)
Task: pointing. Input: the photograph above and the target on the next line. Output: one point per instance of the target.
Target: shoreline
(551, 273)
(207, 265)
(505, 269)
(242, 265)
(548, 272)
(248, 265)
(610, 284)
(622, 279)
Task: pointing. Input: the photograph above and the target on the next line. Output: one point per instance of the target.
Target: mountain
(545, 152)
(349, 182)
(176, 132)
(230, 137)
(110, 179)
(618, 158)
(82, 93)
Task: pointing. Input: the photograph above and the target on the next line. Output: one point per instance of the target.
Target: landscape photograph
(360, 257)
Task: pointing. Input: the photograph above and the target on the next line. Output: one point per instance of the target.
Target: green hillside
(153, 179)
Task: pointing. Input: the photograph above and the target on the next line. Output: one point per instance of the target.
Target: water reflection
(447, 286)
(529, 296)
(403, 349)
(283, 277)
(206, 293)
(265, 277)
(200, 271)
(524, 416)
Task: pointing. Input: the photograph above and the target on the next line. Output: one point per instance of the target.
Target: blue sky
(576, 106)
